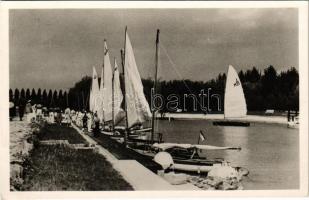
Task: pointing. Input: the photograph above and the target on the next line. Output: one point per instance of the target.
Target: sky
(53, 49)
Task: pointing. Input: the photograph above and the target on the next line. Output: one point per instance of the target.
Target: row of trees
(49, 99)
(267, 90)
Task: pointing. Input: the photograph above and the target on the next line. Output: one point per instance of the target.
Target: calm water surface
(269, 151)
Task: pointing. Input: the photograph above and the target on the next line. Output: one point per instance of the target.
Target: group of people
(27, 111)
(59, 117)
(88, 121)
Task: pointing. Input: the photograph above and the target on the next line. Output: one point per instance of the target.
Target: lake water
(269, 151)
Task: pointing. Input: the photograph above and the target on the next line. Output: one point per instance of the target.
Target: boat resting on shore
(185, 156)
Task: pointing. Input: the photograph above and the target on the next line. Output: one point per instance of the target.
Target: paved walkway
(133, 172)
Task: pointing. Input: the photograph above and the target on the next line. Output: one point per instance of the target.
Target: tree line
(263, 90)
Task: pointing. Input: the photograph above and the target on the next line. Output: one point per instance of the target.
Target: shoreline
(215, 117)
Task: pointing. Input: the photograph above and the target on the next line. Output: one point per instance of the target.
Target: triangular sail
(105, 112)
(94, 94)
(234, 98)
(100, 111)
(138, 109)
(118, 97)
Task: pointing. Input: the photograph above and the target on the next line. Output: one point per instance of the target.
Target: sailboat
(111, 94)
(117, 97)
(185, 156)
(116, 110)
(235, 107)
(136, 106)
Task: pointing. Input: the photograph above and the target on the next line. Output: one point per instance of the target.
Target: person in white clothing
(90, 121)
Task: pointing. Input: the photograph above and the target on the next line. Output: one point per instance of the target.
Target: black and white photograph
(176, 98)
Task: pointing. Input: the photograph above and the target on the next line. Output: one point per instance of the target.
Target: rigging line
(178, 73)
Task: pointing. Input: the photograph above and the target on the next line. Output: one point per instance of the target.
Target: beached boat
(235, 107)
(185, 157)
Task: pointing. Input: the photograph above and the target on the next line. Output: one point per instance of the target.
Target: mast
(113, 98)
(123, 57)
(155, 84)
(102, 80)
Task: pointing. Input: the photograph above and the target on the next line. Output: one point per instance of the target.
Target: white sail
(234, 98)
(138, 109)
(105, 94)
(101, 90)
(108, 84)
(118, 97)
(94, 94)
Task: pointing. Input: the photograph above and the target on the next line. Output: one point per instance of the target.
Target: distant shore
(248, 118)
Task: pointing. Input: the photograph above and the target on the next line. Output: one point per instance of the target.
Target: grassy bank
(57, 132)
(56, 168)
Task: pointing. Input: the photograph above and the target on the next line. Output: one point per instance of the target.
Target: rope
(177, 72)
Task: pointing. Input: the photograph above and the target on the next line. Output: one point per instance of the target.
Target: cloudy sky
(53, 49)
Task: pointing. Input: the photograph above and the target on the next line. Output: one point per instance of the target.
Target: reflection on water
(269, 151)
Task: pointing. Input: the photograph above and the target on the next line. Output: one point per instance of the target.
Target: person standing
(96, 130)
(85, 119)
(51, 118)
(21, 108)
(28, 108)
(12, 110)
(67, 113)
(90, 121)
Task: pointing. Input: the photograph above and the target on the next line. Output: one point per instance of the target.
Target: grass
(57, 167)
(57, 132)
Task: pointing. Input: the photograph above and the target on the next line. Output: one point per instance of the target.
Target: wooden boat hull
(195, 168)
(185, 165)
(140, 150)
(230, 123)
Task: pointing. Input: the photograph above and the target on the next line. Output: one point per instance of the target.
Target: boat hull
(194, 166)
